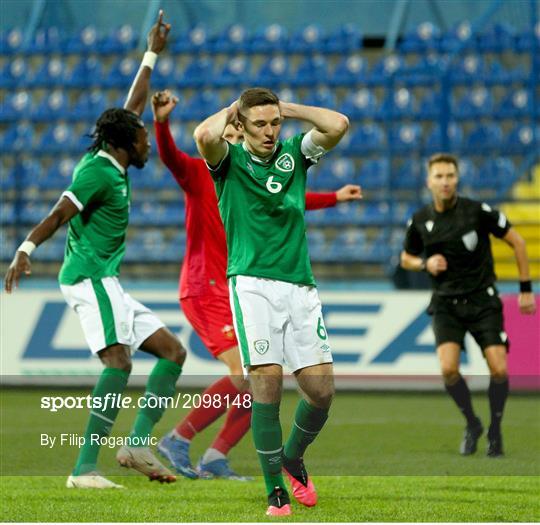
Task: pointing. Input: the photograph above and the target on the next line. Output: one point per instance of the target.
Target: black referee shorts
(480, 313)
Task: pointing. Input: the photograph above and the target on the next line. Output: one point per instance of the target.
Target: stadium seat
(12, 41)
(348, 245)
(45, 41)
(89, 106)
(321, 97)
(423, 38)
(52, 250)
(14, 74)
(500, 37)
(27, 171)
(433, 141)
(405, 137)
(59, 175)
(7, 178)
(467, 172)
(374, 174)
(525, 40)
(520, 141)
(157, 214)
(198, 73)
(58, 138)
(52, 73)
(235, 72)
(484, 137)
(7, 217)
(473, 104)
(33, 212)
(183, 140)
(87, 72)
(19, 137)
(430, 105)
(121, 74)
(307, 39)
(274, 72)
(422, 71)
(516, 103)
(312, 71)
(349, 72)
(119, 41)
(366, 137)
(360, 104)
(494, 178)
(53, 106)
(345, 39)
(398, 104)
(317, 244)
(269, 39)
(232, 40)
(373, 213)
(402, 212)
(7, 239)
(193, 41)
(165, 74)
(459, 37)
(201, 105)
(85, 41)
(386, 68)
(17, 106)
(408, 176)
(289, 129)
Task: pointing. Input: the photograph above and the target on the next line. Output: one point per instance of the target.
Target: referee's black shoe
(495, 446)
(470, 438)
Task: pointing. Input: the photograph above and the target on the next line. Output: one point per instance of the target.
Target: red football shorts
(211, 318)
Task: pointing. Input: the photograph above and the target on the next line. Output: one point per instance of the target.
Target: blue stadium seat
(399, 103)
(459, 37)
(373, 213)
(516, 103)
(274, 72)
(89, 106)
(321, 97)
(430, 105)
(165, 74)
(520, 141)
(58, 138)
(422, 71)
(7, 178)
(157, 214)
(269, 39)
(7, 238)
(317, 244)
(195, 40)
(85, 41)
(33, 212)
(337, 173)
(360, 104)
(235, 72)
(46, 40)
(318, 217)
(408, 176)
(366, 137)
(183, 139)
(198, 73)
(12, 41)
(473, 104)
(473, 69)
(121, 74)
(345, 39)
(289, 129)
(421, 39)
(53, 106)
(500, 37)
(385, 68)
(494, 178)
(51, 73)
(312, 71)
(287, 95)
(467, 172)
(349, 245)
(52, 250)
(433, 141)
(307, 39)
(349, 72)
(201, 105)
(525, 40)
(14, 74)
(484, 137)
(87, 72)
(233, 39)
(18, 106)
(19, 137)
(59, 175)
(374, 174)
(27, 171)
(119, 41)
(7, 217)
(405, 137)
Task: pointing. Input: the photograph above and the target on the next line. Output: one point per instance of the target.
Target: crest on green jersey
(261, 346)
(285, 162)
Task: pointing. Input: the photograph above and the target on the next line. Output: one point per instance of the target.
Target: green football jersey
(96, 240)
(262, 205)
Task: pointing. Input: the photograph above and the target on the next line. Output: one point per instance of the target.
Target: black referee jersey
(461, 235)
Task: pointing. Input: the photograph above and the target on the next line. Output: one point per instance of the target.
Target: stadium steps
(525, 216)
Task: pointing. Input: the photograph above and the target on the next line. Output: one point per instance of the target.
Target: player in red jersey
(204, 299)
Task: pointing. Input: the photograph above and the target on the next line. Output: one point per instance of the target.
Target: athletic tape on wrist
(525, 286)
(149, 59)
(27, 247)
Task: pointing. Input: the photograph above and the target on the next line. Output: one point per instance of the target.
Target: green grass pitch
(381, 457)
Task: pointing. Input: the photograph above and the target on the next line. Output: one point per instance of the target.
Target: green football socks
(267, 437)
(112, 381)
(308, 422)
(161, 384)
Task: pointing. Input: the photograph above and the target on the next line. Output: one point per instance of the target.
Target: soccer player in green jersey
(260, 186)
(96, 205)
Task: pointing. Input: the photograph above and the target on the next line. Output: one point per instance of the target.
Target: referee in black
(449, 239)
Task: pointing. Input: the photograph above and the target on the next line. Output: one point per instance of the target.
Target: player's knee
(322, 397)
(174, 351)
(450, 374)
(117, 356)
(499, 372)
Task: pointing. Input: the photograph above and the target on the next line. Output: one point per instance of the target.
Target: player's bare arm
(163, 103)
(349, 192)
(63, 211)
(526, 300)
(208, 134)
(329, 125)
(435, 265)
(138, 94)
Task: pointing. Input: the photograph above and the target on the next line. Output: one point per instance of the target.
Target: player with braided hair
(96, 206)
